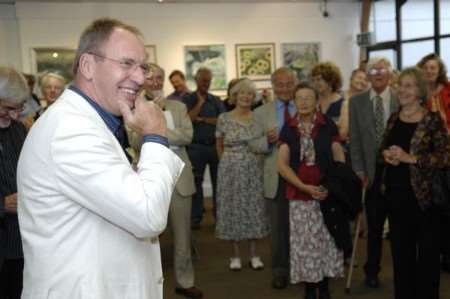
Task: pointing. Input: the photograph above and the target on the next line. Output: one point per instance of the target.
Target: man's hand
(11, 203)
(316, 192)
(272, 135)
(147, 118)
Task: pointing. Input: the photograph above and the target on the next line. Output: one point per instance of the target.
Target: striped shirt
(11, 141)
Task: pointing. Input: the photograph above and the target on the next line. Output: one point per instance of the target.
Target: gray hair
(13, 86)
(47, 76)
(376, 60)
(283, 70)
(203, 70)
(241, 85)
(154, 66)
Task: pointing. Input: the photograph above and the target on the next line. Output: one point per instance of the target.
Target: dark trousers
(11, 279)
(279, 214)
(415, 246)
(201, 156)
(376, 212)
(445, 237)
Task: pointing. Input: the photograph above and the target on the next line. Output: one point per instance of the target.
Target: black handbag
(440, 190)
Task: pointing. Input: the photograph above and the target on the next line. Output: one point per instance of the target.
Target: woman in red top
(308, 145)
(435, 73)
(438, 100)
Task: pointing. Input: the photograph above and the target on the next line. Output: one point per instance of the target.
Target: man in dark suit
(369, 112)
(203, 109)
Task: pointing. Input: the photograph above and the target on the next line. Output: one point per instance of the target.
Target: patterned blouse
(431, 145)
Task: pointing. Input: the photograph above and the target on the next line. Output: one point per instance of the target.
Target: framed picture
(58, 60)
(255, 61)
(300, 57)
(151, 51)
(209, 56)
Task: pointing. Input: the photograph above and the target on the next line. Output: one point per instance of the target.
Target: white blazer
(89, 222)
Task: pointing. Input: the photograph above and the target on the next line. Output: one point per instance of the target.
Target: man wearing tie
(369, 112)
(270, 118)
(179, 133)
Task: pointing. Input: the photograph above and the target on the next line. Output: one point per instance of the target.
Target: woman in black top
(416, 142)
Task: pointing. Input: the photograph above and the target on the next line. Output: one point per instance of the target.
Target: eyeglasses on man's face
(10, 109)
(127, 64)
(374, 71)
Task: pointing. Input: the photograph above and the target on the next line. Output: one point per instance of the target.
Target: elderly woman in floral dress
(240, 201)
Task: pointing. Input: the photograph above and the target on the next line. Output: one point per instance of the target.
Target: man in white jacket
(89, 222)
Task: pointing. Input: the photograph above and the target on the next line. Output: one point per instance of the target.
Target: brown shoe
(191, 292)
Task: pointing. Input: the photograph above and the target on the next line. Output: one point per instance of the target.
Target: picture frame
(255, 61)
(48, 59)
(301, 57)
(209, 56)
(151, 51)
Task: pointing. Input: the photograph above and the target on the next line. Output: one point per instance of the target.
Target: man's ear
(86, 66)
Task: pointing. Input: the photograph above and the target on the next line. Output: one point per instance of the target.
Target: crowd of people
(92, 172)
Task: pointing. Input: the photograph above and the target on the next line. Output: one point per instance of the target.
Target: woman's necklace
(411, 113)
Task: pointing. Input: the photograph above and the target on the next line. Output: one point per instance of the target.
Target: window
(417, 19)
(413, 52)
(445, 51)
(382, 21)
(445, 17)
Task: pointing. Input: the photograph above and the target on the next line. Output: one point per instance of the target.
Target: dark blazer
(363, 149)
(343, 202)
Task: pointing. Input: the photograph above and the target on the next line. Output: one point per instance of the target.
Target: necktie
(287, 115)
(379, 119)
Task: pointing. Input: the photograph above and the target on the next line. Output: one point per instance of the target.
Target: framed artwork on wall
(255, 61)
(151, 51)
(209, 56)
(58, 60)
(300, 57)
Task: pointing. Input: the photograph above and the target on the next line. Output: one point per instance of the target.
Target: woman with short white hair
(240, 200)
(52, 86)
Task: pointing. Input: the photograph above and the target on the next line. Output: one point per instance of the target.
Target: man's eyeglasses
(11, 110)
(127, 64)
(374, 72)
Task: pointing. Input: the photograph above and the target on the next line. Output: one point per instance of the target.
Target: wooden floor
(217, 282)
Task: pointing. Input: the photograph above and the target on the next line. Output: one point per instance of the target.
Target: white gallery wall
(172, 26)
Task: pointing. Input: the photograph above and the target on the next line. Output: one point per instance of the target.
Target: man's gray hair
(203, 70)
(153, 67)
(96, 34)
(376, 60)
(13, 86)
(282, 70)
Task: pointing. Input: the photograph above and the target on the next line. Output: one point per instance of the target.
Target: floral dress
(313, 252)
(241, 213)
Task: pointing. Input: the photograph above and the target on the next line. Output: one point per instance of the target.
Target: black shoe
(310, 290)
(279, 282)
(324, 293)
(372, 282)
(191, 292)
